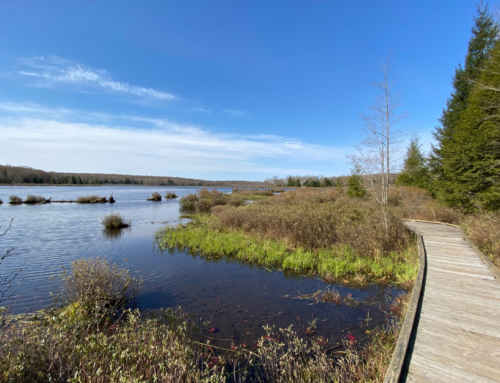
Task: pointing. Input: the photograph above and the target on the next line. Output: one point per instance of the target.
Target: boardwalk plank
(458, 333)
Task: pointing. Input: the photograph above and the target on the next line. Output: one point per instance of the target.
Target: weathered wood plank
(458, 333)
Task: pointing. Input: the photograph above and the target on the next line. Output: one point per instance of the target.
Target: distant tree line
(27, 175)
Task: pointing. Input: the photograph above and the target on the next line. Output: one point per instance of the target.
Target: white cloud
(235, 112)
(55, 70)
(199, 109)
(100, 142)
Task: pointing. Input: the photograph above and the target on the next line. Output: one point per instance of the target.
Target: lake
(237, 298)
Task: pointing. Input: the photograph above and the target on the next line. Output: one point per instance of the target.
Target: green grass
(338, 262)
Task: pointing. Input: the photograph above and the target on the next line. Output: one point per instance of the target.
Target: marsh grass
(15, 200)
(484, 231)
(115, 221)
(337, 263)
(91, 199)
(170, 195)
(155, 197)
(34, 199)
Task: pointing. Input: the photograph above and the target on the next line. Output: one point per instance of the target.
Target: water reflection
(114, 234)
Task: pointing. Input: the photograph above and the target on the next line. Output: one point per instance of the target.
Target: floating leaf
(351, 338)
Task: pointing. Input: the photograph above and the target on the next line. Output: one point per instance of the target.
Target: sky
(217, 90)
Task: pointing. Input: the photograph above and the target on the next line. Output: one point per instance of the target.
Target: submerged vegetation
(91, 199)
(155, 197)
(115, 221)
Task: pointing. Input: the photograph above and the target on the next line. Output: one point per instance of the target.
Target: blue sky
(215, 89)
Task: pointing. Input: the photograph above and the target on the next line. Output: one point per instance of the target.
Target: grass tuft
(34, 199)
(155, 197)
(115, 221)
(91, 199)
(170, 195)
(15, 200)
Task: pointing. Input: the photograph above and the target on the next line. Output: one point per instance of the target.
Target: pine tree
(355, 186)
(484, 36)
(473, 167)
(416, 170)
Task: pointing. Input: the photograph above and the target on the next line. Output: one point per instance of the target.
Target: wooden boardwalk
(456, 336)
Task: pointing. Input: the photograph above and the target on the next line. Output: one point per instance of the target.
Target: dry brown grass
(318, 219)
(484, 231)
(155, 197)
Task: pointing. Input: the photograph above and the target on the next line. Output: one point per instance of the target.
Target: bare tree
(380, 150)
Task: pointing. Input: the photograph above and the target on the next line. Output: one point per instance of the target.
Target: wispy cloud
(52, 70)
(84, 141)
(199, 109)
(235, 112)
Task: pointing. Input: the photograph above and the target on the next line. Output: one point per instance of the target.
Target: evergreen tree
(484, 36)
(340, 186)
(472, 165)
(416, 170)
(355, 186)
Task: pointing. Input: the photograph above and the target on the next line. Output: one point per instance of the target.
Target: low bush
(205, 200)
(33, 199)
(96, 286)
(115, 221)
(14, 199)
(170, 195)
(155, 197)
(91, 199)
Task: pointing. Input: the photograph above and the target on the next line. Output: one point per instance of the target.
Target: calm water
(237, 298)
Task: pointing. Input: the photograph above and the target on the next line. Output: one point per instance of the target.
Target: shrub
(254, 192)
(115, 221)
(188, 201)
(170, 195)
(14, 199)
(155, 197)
(91, 199)
(33, 199)
(97, 286)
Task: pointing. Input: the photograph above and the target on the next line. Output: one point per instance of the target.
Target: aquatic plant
(34, 199)
(115, 221)
(15, 200)
(170, 195)
(91, 199)
(155, 197)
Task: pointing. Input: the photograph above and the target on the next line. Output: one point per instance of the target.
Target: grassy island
(155, 197)
(308, 231)
(115, 221)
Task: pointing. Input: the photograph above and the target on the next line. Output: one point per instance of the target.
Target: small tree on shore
(416, 170)
(355, 187)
